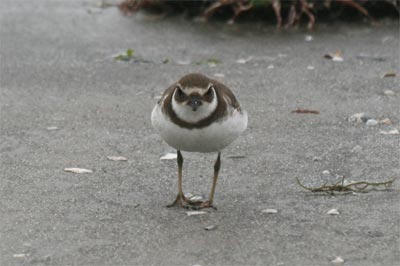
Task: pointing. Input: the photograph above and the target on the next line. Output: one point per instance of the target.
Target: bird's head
(194, 98)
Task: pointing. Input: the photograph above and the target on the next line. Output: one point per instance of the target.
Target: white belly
(213, 138)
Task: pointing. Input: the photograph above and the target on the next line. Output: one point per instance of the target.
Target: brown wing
(167, 94)
(224, 91)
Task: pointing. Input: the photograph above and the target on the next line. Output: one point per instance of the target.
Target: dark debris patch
(285, 13)
(342, 186)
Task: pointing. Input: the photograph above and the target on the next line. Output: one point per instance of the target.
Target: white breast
(213, 138)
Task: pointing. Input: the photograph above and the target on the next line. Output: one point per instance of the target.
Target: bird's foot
(196, 204)
(180, 201)
(201, 205)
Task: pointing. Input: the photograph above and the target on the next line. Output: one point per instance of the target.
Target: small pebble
(271, 67)
(371, 122)
(52, 128)
(210, 227)
(385, 121)
(338, 260)
(308, 38)
(358, 118)
(310, 67)
(269, 211)
(356, 148)
(316, 159)
(389, 93)
(326, 172)
(333, 212)
(241, 61)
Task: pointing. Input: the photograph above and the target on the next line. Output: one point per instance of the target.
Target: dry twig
(340, 186)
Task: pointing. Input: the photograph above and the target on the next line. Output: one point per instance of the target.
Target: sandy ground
(57, 70)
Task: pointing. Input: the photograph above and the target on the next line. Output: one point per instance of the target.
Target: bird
(198, 114)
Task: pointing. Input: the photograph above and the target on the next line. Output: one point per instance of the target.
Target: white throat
(185, 112)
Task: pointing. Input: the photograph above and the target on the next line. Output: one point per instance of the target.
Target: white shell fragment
(371, 122)
(243, 61)
(394, 131)
(117, 158)
(193, 213)
(310, 67)
(196, 199)
(389, 93)
(78, 170)
(271, 67)
(183, 62)
(169, 156)
(210, 227)
(326, 172)
(52, 128)
(337, 58)
(337, 260)
(333, 212)
(269, 211)
(20, 255)
(189, 195)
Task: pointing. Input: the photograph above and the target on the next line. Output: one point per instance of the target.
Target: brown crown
(194, 80)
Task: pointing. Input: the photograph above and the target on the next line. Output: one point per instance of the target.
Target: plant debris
(128, 56)
(389, 75)
(287, 13)
(236, 156)
(341, 186)
(305, 111)
(337, 56)
(78, 170)
(211, 62)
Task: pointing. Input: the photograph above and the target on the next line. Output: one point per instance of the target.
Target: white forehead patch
(191, 90)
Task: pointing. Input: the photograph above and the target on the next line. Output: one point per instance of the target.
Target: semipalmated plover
(198, 114)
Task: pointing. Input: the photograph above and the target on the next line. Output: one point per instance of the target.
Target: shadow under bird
(198, 114)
